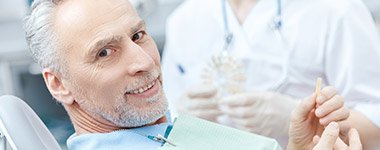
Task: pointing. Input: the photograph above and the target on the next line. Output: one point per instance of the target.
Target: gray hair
(42, 42)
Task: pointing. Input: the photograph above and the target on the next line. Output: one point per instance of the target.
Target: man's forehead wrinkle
(76, 15)
(121, 18)
(72, 19)
(106, 14)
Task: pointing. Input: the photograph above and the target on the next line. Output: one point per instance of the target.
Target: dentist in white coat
(285, 45)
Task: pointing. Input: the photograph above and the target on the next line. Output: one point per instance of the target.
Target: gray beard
(128, 116)
(125, 115)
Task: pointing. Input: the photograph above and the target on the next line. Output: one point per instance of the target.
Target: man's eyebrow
(137, 27)
(113, 39)
(103, 42)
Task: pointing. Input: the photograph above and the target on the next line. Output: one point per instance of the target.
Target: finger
(340, 145)
(199, 103)
(302, 111)
(244, 128)
(325, 94)
(354, 140)
(329, 106)
(202, 91)
(243, 122)
(206, 114)
(316, 139)
(337, 115)
(238, 112)
(344, 127)
(329, 137)
(238, 100)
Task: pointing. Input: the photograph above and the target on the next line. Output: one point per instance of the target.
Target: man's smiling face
(112, 65)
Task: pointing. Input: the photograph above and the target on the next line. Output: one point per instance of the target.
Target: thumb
(329, 137)
(202, 91)
(303, 109)
(354, 140)
(238, 100)
(316, 139)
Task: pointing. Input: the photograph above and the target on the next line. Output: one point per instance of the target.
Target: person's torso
(297, 53)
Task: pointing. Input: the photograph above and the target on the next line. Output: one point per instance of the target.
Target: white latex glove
(264, 113)
(311, 116)
(199, 101)
(330, 139)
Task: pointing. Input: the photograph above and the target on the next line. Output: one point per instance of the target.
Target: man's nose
(140, 60)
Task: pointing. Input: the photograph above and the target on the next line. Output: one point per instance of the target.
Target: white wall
(12, 9)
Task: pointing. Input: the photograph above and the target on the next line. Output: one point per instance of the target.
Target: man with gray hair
(100, 63)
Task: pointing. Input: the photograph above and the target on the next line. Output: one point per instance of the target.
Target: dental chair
(21, 128)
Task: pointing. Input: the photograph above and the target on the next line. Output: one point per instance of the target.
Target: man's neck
(85, 123)
(242, 8)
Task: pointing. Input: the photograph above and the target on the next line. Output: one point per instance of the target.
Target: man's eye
(137, 36)
(105, 52)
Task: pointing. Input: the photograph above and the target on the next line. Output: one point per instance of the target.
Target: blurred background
(21, 77)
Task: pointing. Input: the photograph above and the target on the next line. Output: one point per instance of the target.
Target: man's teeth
(143, 89)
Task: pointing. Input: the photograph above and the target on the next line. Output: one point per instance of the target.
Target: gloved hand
(264, 113)
(309, 120)
(330, 107)
(330, 139)
(199, 101)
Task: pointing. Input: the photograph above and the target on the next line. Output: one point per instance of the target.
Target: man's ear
(56, 87)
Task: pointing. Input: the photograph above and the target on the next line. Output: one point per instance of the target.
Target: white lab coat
(333, 39)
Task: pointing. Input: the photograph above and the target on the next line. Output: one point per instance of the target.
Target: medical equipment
(224, 56)
(277, 22)
(22, 128)
(275, 26)
(228, 72)
(158, 138)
